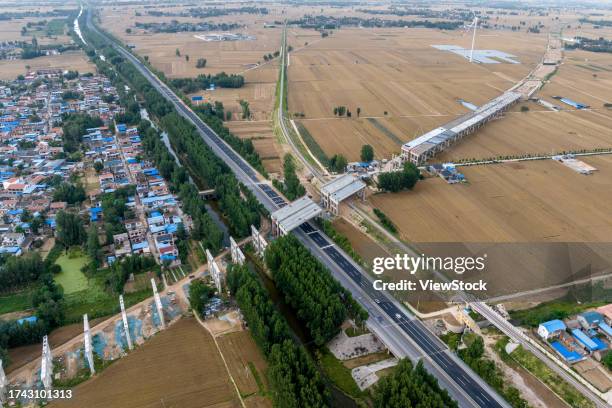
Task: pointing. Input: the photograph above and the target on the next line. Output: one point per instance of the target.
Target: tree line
(294, 378)
(473, 355)
(291, 186)
(410, 386)
(213, 117)
(74, 126)
(202, 81)
(320, 302)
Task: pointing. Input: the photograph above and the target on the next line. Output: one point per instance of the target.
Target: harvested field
(539, 201)
(228, 56)
(585, 77)
(533, 132)
(402, 85)
(246, 363)
(70, 60)
(539, 206)
(264, 140)
(179, 366)
(10, 30)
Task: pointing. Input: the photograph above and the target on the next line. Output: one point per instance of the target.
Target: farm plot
(536, 206)
(585, 77)
(72, 60)
(401, 85)
(539, 201)
(179, 366)
(228, 56)
(10, 30)
(263, 139)
(259, 91)
(534, 132)
(246, 364)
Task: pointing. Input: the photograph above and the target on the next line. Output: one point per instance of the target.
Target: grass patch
(312, 144)
(97, 302)
(56, 27)
(356, 331)
(16, 302)
(338, 373)
(71, 278)
(341, 240)
(532, 364)
(257, 377)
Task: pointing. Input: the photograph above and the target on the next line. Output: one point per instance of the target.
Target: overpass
(402, 333)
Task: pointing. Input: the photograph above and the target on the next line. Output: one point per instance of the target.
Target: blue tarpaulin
(565, 353)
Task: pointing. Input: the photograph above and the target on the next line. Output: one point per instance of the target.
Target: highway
(405, 335)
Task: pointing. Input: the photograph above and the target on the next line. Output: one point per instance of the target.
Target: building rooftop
(343, 187)
(296, 213)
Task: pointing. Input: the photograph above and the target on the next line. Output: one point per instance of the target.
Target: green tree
(98, 166)
(201, 63)
(337, 163)
(410, 387)
(199, 295)
(94, 250)
(70, 230)
(177, 52)
(367, 153)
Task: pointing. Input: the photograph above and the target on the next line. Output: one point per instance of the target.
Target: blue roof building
(586, 341)
(590, 319)
(551, 328)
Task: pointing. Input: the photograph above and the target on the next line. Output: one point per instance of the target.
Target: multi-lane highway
(405, 335)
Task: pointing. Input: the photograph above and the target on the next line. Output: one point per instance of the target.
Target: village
(37, 170)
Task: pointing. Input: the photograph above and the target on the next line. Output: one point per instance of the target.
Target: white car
(377, 301)
(398, 316)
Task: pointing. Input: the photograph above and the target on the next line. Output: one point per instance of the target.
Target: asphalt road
(400, 331)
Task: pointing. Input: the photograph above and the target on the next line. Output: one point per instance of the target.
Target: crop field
(72, 60)
(179, 367)
(228, 56)
(402, 85)
(246, 363)
(585, 77)
(264, 140)
(514, 134)
(10, 30)
(535, 201)
(259, 90)
(528, 202)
